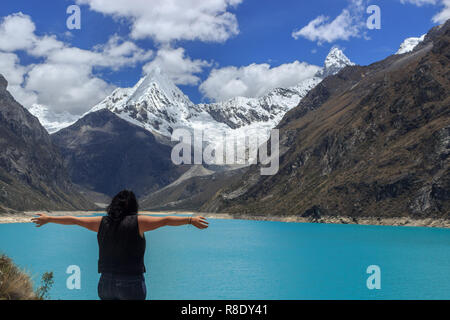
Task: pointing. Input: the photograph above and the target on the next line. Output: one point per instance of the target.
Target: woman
(121, 241)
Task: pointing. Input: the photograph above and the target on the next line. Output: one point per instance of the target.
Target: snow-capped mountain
(158, 105)
(334, 62)
(266, 110)
(409, 44)
(51, 121)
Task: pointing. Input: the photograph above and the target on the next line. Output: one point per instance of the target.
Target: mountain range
(355, 141)
(158, 105)
(123, 142)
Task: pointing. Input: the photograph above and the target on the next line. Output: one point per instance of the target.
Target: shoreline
(369, 221)
(25, 217)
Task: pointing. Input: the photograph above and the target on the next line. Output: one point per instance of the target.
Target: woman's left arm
(91, 223)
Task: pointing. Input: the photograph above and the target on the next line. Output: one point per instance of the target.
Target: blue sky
(208, 62)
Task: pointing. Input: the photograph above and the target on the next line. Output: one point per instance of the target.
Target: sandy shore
(25, 217)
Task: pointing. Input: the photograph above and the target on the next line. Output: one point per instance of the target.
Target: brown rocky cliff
(32, 172)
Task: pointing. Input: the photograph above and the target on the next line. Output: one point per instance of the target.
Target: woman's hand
(199, 222)
(41, 220)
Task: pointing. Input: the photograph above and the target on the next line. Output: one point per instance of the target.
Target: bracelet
(190, 220)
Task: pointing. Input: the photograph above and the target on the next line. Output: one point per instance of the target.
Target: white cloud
(16, 32)
(169, 20)
(11, 69)
(440, 17)
(444, 15)
(419, 2)
(178, 67)
(321, 30)
(66, 87)
(64, 81)
(254, 80)
(25, 97)
(115, 54)
(42, 47)
(349, 23)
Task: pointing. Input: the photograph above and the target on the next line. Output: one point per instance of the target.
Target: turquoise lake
(237, 259)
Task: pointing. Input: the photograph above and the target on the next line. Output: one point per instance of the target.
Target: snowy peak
(409, 44)
(51, 121)
(334, 62)
(157, 81)
(154, 90)
(115, 101)
(155, 103)
(337, 58)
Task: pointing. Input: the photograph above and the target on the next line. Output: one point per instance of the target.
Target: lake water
(236, 259)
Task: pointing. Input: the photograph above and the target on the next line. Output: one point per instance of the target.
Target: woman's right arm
(91, 223)
(147, 223)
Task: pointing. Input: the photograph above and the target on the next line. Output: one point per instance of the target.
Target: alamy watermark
(74, 20)
(374, 20)
(194, 147)
(74, 280)
(374, 280)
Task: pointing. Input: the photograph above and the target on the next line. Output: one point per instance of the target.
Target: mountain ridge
(32, 173)
(138, 106)
(159, 106)
(368, 141)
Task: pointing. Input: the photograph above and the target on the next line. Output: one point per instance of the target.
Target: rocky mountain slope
(368, 142)
(192, 192)
(106, 154)
(32, 173)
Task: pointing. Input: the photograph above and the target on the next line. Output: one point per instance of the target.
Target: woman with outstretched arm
(121, 242)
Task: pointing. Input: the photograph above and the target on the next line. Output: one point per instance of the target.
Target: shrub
(16, 284)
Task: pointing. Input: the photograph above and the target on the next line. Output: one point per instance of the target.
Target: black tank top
(121, 247)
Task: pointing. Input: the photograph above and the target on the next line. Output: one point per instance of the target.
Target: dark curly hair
(123, 204)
